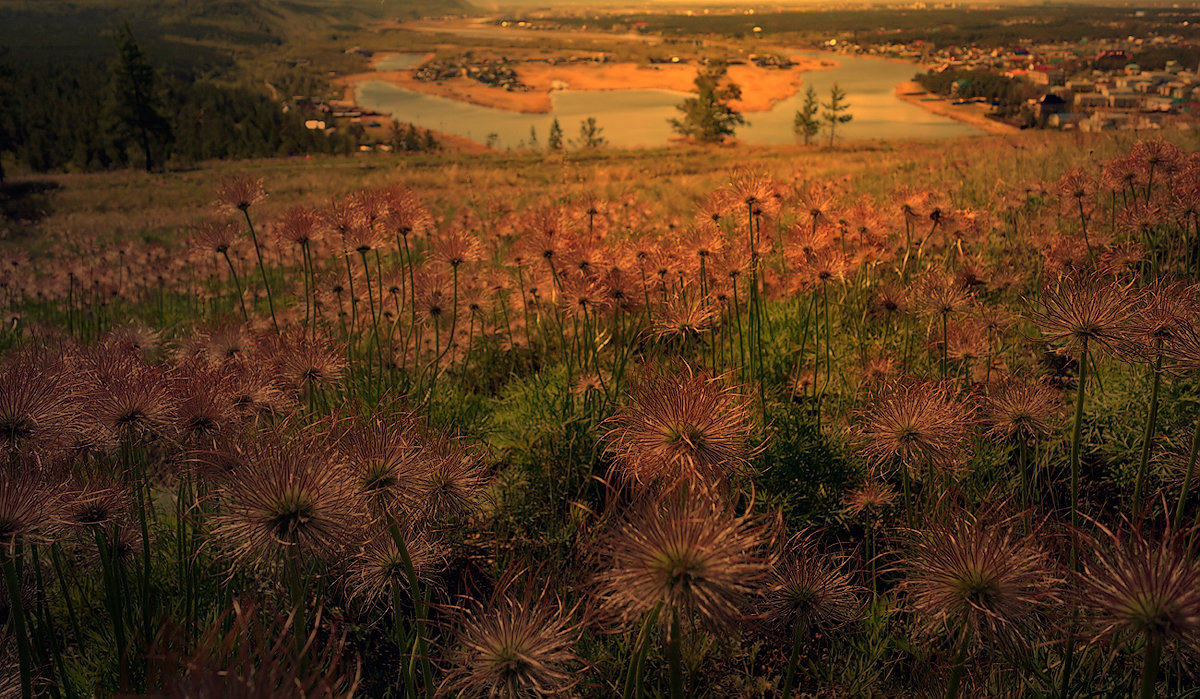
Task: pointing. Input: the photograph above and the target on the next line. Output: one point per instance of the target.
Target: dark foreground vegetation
(753, 433)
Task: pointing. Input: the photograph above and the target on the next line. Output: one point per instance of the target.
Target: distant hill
(186, 31)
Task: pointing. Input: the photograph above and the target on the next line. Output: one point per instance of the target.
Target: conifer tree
(591, 135)
(806, 124)
(708, 117)
(832, 111)
(133, 100)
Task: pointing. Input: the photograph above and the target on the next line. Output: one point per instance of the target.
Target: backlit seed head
(1140, 586)
(913, 424)
(240, 192)
(1087, 310)
(812, 589)
(976, 574)
(521, 644)
(378, 571)
(696, 558)
(1022, 410)
(279, 494)
(681, 425)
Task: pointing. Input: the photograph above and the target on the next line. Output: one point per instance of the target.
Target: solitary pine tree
(708, 117)
(8, 125)
(133, 99)
(806, 125)
(832, 111)
(555, 139)
(533, 139)
(590, 134)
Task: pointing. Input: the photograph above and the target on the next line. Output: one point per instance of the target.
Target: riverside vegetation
(906, 422)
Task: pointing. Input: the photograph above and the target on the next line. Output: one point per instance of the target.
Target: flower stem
(797, 641)
(237, 285)
(1148, 441)
(1076, 433)
(261, 268)
(675, 658)
(959, 669)
(1150, 660)
(1187, 479)
(17, 619)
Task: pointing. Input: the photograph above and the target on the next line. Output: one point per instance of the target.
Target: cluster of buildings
(497, 72)
(1090, 86)
(1132, 98)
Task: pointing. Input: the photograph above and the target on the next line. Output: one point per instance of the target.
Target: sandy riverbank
(762, 88)
(973, 114)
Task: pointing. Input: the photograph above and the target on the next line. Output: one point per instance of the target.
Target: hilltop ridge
(181, 31)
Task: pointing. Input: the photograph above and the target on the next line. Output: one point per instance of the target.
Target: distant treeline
(1002, 91)
(939, 27)
(59, 117)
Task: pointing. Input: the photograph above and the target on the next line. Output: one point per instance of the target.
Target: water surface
(633, 118)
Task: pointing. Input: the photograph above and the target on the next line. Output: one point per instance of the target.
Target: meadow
(897, 419)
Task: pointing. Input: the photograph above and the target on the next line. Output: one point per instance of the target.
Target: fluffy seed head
(681, 425)
(688, 554)
(1022, 411)
(915, 423)
(240, 192)
(1087, 310)
(278, 494)
(378, 569)
(812, 589)
(975, 573)
(517, 646)
(1134, 585)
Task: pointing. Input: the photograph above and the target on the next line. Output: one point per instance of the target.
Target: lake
(638, 118)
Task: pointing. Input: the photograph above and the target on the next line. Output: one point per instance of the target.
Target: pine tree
(396, 136)
(555, 139)
(412, 140)
(533, 139)
(832, 111)
(708, 117)
(590, 134)
(133, 104)
(8, 138)
(806, 125)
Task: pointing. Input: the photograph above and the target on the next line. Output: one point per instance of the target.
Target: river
(639, 118)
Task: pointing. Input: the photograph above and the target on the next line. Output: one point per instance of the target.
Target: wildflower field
(894, 421)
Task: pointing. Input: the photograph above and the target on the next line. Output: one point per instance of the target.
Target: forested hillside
(219, 71)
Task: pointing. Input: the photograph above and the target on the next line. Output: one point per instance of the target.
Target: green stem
(1150, 661)
(414, 587)
(261, 268)
(633, 679)
(959, 669)
(237, 285)
(1187, 479)
(1076, 434)
(374, 314)
(944, 347)
(1148, 441)
(675, 658)
(797, 641)
(17, 624)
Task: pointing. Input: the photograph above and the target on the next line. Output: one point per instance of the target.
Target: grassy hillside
(187, 30)
(902, 420)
